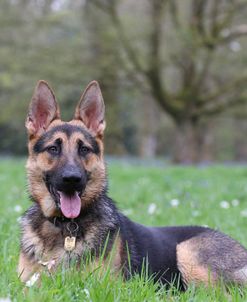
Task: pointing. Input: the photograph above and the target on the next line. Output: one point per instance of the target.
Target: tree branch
(202, 76)
(131, 53)
(214, 29)
(102, 5)
(228, 87)
(111, 9)
(237, 32)
(155, 40)
(154, 74)
(216, 109)
(197, 18)
(174, 13)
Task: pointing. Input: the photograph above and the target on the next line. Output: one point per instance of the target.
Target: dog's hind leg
(239, 276)
(190, 267)
(211, 257)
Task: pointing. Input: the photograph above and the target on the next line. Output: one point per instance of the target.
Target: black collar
(58, 220)
(68, 226)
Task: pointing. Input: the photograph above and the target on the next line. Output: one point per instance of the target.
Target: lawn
(165, 195)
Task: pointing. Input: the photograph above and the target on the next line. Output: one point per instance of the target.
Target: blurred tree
(103, 56)
(65, 43)
(186, 52)
(186, 55)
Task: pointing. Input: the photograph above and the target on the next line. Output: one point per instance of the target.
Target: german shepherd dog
(72, 215)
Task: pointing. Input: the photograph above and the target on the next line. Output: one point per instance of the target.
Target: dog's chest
(60, 255)
(50, 243)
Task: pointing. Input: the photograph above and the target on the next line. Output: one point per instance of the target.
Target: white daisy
(87, 293)
(224, 204)
(18, 219)
(34, 278)
(152, 208)
(18, 208)
(195, 213)
(5, 299)
(174, 203)
(244, 213)
(235, 202)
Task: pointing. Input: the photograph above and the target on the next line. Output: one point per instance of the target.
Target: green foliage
(214, 195)
(69, 43)
(66, 47)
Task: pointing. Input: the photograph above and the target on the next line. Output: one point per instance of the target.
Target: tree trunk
(149, 115)
(240, 143)
(206, 141)
(186, 143)
(193, 142)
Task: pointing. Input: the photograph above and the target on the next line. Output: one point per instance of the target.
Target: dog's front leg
(26, 268)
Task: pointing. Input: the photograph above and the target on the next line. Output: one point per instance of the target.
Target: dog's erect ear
(91, 109)
(43, 109)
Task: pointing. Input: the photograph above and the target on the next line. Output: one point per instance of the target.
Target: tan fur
(37, 164)
(92, 97)
(30, 239)
(44, 106)
(26, 268)
(53, 250)
(190, 267)
(204, 258)
(113, 261)
(240, 276)
(117, 259)
(47, 244)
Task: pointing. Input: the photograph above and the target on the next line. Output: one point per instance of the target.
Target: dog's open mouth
(69, 203)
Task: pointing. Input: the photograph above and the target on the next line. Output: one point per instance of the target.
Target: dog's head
(65, 166)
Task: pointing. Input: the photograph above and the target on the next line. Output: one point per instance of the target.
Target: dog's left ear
(91, 109)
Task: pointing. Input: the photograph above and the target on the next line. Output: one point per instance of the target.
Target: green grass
(200, 192)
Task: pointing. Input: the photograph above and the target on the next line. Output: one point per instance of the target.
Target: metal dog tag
(69, 243)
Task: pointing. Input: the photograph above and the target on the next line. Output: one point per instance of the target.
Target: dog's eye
(54, 150)
(84, 150)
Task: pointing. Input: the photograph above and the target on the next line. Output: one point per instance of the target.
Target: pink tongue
(70, 205)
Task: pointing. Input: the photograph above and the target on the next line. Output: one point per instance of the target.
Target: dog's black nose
(71, 177)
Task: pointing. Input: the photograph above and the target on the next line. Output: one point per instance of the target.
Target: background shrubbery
(173, 73)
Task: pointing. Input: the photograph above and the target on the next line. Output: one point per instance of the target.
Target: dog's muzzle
(66, 189)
